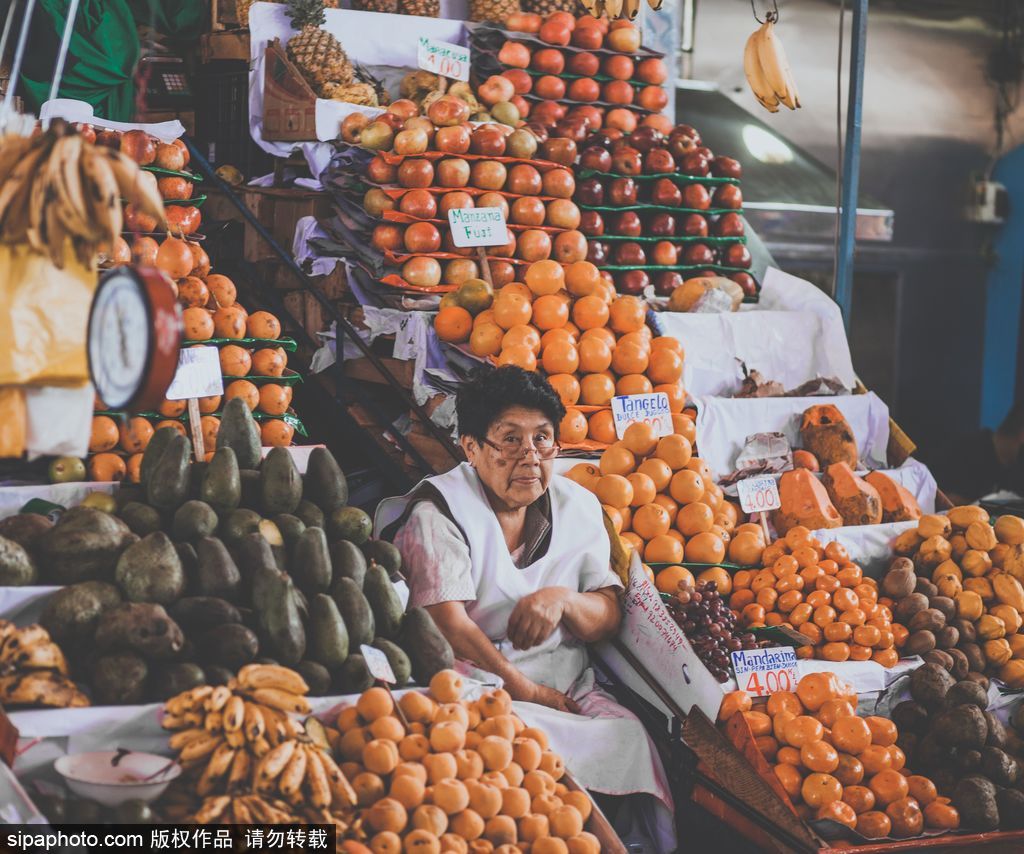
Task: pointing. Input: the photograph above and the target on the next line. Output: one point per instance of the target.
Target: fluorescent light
(766, 146)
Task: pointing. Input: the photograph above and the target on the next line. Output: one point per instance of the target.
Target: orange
(133, 468)
(235, 361)
(667, 342)
(899, 758)
(640, 439)
(135, 434)
(686, 486)
(906, 817)
(718, 575)
(819, 756)
(734, 701)
(666, 502)
(627, 314)
(597, 390)
(545, 277)
(874, 825)
(676, 395)
(875, 758)
(567, 387)
(840, 812)
(275, 399)
(483, 318)
(573, 428)
(617, 459)
(922, 790)
(815, 688)
(888, 786)
(590, 312)
(696, 518)
(676, 451)
(601, 334)
(560, 358)
(784, 701)
(669, 581)
(105, 434)
(633, 384)
(861, 798)
(683, 425)
(941, 815)
(614, 490)
(522, 335)
(663, 549)
(511, 310)
(601, 426)
(595, 355)
(197, 323)
(640, 339)
(520, 356)
(581, 278)
(229, 322)
(819, 790)
(657, 470)
(550, 312)
(485, 339)
(705, 548)
(629, 359)
(883, 730)
(850, 771)
(665, 366)
(643, 490)
(557, 336)
(790, 779)
(516, 288)
(107, 467)
(802, 730)
(759, 722)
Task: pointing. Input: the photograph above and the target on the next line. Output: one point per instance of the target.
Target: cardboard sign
(761, 672)
(478, 227)
(377, 663)
(652, 409)
(198, 374)
(759, 494)
(444, 58)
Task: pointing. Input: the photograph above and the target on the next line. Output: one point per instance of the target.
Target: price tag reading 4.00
(444, 58)
(759, 494)
(765, 671)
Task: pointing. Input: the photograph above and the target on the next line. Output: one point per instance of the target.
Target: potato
(919, 643)
(980, 678)
(930, 755)
(1011, 809)
(910, 716)
(968, 761)
(962, 727)
(943, 604)
(929, 684)
(947, 638)
(996, 732)
(923, 585)
(960, 665)
(968, 633)
(975, 799)
(975, 657)
(930, 619)
(910, 605)
(966, 692)
(937, 656)
(899, 581)
(1000, 768)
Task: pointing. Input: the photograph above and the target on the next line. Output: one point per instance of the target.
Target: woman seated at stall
(512, 562)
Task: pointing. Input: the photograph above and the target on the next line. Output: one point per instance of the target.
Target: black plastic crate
(222, 119)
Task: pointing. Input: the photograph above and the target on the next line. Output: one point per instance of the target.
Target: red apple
(379, 171)
(418, 203)
(549, 86)
(590, 191)
(591, 223)
(694, 163)
(548, 61)
(447, 111)
(659, 160)
(630, 254)
(632, 282)
(494, 90)
(622, 192)
(414, 172)
(514, 55)
(559, 150)
(488, 141)
(453, 172)
(524, 180)
(597, 252)
(452, 140)
(559, 183)
(451, 201)
(728, 196)
(644, 138)
(745, 281)
(626, 161)
(548, 112)
(596, 158)
(584, 64)
(666, 281)
(627, 223)
(696, 197)
(661, 224)
(665, 254)
(737, 255)
(694, 225)
(387, 237)
(726, 167)
(422, 237)
(667, 193)
(698, 253)
(569, 247)
(522, 81)
(488, 174)
(528, 211)
(139, 146)
(729, 225)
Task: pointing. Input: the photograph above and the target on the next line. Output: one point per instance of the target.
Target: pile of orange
(592, 343)
(456, 775)
(664, 502)
(822, 594)
(833, 764)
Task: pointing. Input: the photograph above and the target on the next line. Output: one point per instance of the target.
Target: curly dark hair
(488, 392)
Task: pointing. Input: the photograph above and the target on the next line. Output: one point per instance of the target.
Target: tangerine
(627, 314)
(550, 312)
(819, 790)
(545, 277)
(590, 312)
(511, 310)
(601, 426)
(573, 428)
(874, 824)
(521, 357)
(581, 278)
(597, 390)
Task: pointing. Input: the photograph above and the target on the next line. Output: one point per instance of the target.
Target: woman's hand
(530, 692)
(536, 616)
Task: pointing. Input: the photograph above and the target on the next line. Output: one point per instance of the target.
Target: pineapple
(314, 51)
(242, 8)
(375, 5)
(492, 10)
(546, 7)
(423, 8)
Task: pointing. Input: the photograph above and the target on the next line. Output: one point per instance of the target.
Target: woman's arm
(589, 616)
(470, 643)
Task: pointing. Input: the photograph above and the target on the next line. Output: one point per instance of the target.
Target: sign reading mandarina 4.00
(764, 671)
(478, 227)
(443, 58)
(759, 494)
(651, 408)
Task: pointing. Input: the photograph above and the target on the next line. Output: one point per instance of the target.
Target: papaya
(428, 650)
(348, 562)
(311, 562)
(194, 520)
(825, 432)
(401, 666)
(280, 483)
(898, 503)
(325, 484)
(857, 501)
(167, 487)
(239, 432)
(383, 599)
(355, 610)
(804, 502)
(222, 484)
(328, 638)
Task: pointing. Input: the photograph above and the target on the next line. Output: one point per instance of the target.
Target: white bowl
(96, 777)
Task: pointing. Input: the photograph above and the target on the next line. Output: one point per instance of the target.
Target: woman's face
(514, 483)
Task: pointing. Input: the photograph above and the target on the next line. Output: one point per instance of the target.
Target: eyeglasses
(513, 448)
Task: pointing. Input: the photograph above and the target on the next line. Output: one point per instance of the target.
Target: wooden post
(763, 519)
(195, 425)
(8, 740)
(485, 266)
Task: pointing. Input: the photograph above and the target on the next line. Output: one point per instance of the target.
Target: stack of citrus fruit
(822, 594)
(456, 776)
(664, 502)
(593, 344)
(833, 764)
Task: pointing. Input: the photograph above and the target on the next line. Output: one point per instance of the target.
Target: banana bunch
(240, 739)
(33, 670)
(768, 71)
(57, 189)
(613, 9)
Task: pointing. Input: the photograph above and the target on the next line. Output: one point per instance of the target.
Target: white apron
(606, 747)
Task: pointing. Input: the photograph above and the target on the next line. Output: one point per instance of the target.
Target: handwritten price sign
(765, 671)
(444, 58)
(759, 494)
(478, 227)
(652, 409)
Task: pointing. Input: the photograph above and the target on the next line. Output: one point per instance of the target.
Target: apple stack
(572, 73)
(659, 208)
(437, 162)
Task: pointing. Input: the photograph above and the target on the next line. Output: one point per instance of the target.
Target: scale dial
(134, 338)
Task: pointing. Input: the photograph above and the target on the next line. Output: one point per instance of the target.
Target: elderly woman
(512, 562)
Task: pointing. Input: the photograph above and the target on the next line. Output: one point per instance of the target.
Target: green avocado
(167, 487)
(324, 483)
(141, 518)
(311, 515)
(383, 599)
(151, 571)
(217, 574)
(311, 562)
(280, 483)
(355, 611)
(327, 634)
(401, 666)
(348, 562)
(194, 520)
(428, 649)
(349, 523)
(239, 432)
(222, 484)
(158, 443)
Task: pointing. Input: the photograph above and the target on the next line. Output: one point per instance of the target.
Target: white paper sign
(652, 409)
(377, 663)
(761, 672)
(198, 374)
(759, 494)
(444, 58)
(478, 227)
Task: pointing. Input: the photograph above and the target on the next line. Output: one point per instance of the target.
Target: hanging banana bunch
(63, 194)
(767, 69)
(613, 9)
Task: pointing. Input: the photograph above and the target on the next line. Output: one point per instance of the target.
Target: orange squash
(825, 433)
(857, 501)
(898, 504)
(804, 502)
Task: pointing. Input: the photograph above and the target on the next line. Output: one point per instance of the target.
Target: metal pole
(851, 159)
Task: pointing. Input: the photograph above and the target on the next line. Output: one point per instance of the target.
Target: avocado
(84, 544)
(311, 562)
(26, 529)
(280, 621)
(231, 645)
(238, 523)
(151, 571)
(217, 675)
(196, 474)
(142, 628)
(193, 520)
(384, 553)
(311, 515)
(198, 613)
(16, 566)
(172, 679)
(291, 528)
(72, 613)
(158, 443)
(217, 574)
(428, 649)
(239, 432)
(326, 633)
(353, 677)
(141, 518)
(383, 599)
(347, 561)
(401, 666)
(317, 677)
(280, 483)
(189, 563)
(355, 611)
(249, 480)
(119, 679)
(324, 483)
(167, 487)
(222, 484)
(133, 811)
(349, 523)
(252, 552)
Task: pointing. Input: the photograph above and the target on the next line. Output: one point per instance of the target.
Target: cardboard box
(289, 104)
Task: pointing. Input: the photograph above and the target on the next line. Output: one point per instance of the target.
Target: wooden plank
(224, 45)
(316, 319)
(363, 369)
(295, 303)
(279, 209)
(598, 823)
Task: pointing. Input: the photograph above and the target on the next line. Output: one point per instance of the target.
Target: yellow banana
(271, 765)
(241, 765)
(41, 656)
(290, 781)
(261, 747)
(201, 747)
(341, 790)
(253, 723)
(213, 722)
(212, 809)
(316, 778)
(256, 676)
(630, 9)
(282, 700)
(221, 760)
(613, 8)
(755, 73)
(236, 738)
(181, 740)
(234, 714)
(217, 699)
